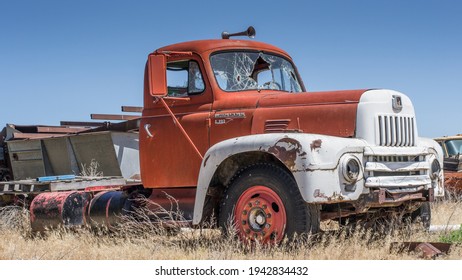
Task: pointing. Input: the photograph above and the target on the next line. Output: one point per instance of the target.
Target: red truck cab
(215, 97)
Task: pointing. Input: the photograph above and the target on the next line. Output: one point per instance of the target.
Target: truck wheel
(423, 215)
(263, 203)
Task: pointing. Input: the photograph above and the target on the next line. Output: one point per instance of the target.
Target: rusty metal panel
(96, 147)
(19, 135)
(84, 124)
(116, 153)
(83, 183)
(329, 113)
(58, 156)
(113, 117)
(173, 200)
(26, 159)
(453, 182)
(126, 148)
(427, 250)
(59, 130)
(132, 109)
(80, 183)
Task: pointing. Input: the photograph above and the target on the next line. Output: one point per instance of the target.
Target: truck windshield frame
(250, 70)
(454, 147)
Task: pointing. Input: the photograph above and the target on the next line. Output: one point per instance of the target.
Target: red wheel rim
(260, 215)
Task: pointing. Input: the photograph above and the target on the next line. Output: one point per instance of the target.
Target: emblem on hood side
(397, 103)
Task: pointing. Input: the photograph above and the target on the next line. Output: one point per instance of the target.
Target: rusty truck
(228, 130)
(452, 154)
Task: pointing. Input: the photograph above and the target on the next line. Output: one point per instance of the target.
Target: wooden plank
(19, 135)
(132, 109)
(51, 129)
(82, 184)
(113, 117)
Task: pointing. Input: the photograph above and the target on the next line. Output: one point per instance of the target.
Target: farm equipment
(229, 131)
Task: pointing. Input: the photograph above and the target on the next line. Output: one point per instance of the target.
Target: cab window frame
(188, 93)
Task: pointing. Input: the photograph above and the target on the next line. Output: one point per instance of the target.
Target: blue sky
(63, 60)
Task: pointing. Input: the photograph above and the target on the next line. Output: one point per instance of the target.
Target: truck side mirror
(157, 75)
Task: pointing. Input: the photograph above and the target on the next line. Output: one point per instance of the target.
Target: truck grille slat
(397, 171)
(396, 131)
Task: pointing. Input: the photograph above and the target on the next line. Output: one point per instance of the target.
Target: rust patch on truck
(316, 144)
(334, 198)
(453, 182)
(287, 150)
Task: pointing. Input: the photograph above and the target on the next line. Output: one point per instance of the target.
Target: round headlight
(351, 169)
(435, 169)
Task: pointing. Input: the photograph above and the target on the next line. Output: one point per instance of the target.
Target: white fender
(313, 160)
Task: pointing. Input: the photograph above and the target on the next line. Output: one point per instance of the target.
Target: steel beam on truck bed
(125, 126)
(83, 124)
(80, 183)
(113, 117)
(19, 135)
(60, 130)
(132, 109)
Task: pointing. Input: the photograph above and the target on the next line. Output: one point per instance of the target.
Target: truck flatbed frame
(79, 183)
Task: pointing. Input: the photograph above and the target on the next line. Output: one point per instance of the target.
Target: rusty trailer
(57, 171)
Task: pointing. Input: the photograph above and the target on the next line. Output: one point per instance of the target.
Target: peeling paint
(316, 144)
(287, 150)
(49, 210)
(317, 193)
(336, 197)
(206, 159)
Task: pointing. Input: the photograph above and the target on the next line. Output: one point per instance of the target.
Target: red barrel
(55, 209)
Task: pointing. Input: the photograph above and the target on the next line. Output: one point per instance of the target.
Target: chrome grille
(396, 131)
(397, 171)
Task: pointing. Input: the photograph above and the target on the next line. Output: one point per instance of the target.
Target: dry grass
(92, 170)
(143, 241)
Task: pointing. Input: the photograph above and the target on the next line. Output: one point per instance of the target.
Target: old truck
(229, 131)
(452, 154)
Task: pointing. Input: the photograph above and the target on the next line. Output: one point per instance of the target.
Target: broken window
(184, 78)
(240, 71)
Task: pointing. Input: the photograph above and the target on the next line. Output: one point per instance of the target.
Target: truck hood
(311, 98)
(330, 113)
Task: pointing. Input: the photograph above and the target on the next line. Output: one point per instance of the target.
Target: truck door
(167, 157)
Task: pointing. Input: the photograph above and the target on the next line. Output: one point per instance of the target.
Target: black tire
(273, 186)
(423, 215)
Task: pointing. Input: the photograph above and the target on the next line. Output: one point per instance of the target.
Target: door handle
(148, 132)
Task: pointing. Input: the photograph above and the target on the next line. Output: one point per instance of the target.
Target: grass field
(147, 242)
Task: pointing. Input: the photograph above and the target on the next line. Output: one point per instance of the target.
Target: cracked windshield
(240, 71)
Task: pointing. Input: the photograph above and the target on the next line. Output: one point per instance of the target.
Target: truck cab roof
(209, 46)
